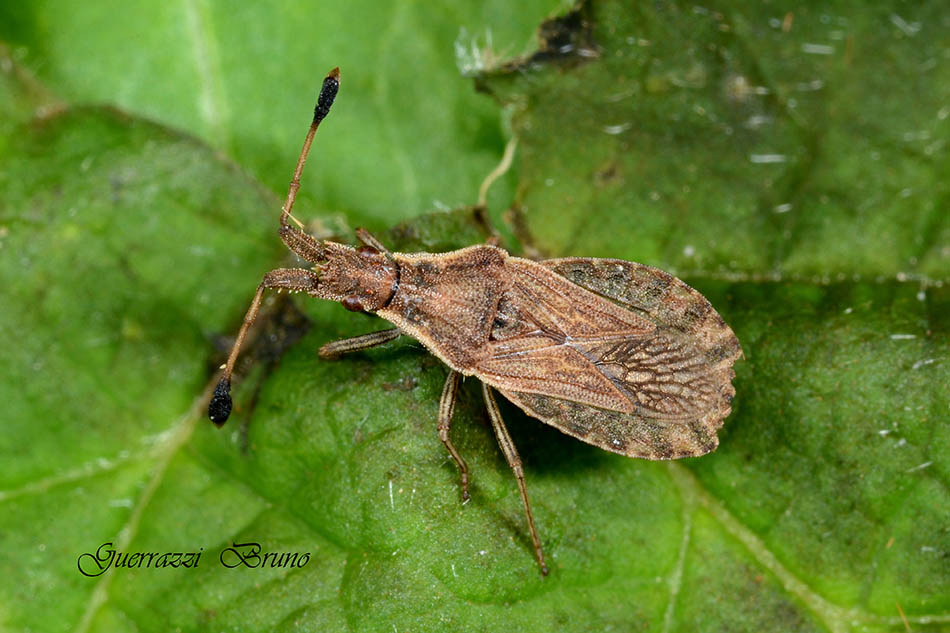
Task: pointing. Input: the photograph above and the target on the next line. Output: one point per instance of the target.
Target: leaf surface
(129, 251)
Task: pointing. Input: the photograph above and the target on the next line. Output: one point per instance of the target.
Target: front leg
(295, 279)
(357, 343)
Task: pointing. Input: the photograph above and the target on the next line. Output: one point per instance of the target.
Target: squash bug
(617, 354)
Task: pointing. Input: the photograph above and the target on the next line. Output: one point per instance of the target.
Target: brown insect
(620, 355)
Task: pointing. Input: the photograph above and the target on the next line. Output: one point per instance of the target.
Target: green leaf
(713, 141)
(129, 251)
(244, 78)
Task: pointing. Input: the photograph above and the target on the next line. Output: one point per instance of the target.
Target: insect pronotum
(617, 354)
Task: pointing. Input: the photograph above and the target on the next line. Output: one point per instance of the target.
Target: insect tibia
(331, 84)
(219, 409)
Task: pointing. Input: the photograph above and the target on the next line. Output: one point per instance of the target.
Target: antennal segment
(293, 279)
(331, 85)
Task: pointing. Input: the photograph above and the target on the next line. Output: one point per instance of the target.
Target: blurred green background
(789, 161)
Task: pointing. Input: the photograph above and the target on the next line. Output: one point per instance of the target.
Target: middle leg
(446, 409)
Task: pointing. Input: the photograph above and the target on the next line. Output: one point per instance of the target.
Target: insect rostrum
(620, 355)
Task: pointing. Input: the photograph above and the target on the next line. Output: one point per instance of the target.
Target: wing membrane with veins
(566, 341)
(617, 354)
(620, 355)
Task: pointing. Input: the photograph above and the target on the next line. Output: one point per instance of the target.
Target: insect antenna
(294, 279)
(331, 85)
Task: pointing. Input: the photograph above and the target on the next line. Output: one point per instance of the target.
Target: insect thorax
(448, 301)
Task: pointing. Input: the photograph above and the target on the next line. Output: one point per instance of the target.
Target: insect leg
(369, 239)
(290, 278)
(446, 409)
(357, 343)
(480, 213)
(511, 454)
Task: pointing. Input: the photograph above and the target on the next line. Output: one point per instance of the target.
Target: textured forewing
(659, 297)
(535, 364)
(629, 434)
(675, 366)
(653, 376)
(664, 377)
(564, 309)
(572, 343)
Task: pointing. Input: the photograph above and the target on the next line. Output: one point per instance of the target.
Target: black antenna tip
(331, 84)
(220, 406)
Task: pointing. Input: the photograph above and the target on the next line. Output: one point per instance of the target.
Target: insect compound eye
(366, 251)
(352, 303)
